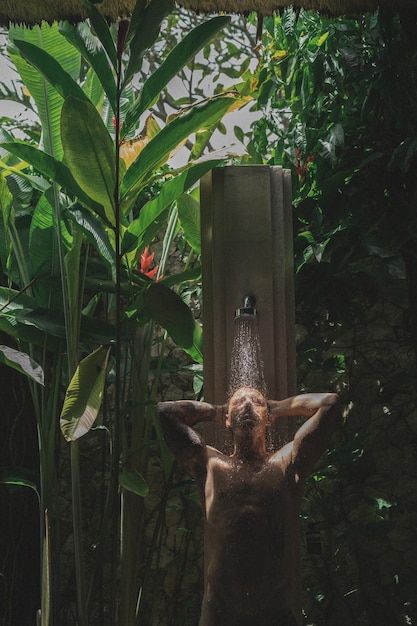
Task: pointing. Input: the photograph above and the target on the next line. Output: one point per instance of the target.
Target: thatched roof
(34, 11)
(267, 7)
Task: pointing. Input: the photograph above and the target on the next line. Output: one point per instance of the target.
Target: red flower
(145, 262)
(301, 170)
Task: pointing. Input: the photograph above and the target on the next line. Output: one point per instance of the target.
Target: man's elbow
(331, 402)
(333, 399)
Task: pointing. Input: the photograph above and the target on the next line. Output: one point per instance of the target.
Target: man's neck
(249, 446)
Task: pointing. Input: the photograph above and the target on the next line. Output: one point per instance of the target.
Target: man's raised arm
(313, 437)
(177, 419)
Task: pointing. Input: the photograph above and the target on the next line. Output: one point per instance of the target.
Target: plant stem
(77, 522)
(117, 394)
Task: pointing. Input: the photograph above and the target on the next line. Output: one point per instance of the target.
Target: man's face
(247, 409)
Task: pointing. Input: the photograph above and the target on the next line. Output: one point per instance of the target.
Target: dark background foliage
(339, 110)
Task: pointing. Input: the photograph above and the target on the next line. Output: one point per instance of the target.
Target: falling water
(247, 367)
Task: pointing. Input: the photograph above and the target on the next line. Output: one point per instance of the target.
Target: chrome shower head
(248, 308)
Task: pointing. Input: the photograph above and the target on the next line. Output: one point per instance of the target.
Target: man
(251, 500)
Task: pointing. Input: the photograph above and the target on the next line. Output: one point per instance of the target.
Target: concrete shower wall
(247, 249)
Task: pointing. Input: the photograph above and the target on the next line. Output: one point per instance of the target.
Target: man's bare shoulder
(282, 457)
(213, 455)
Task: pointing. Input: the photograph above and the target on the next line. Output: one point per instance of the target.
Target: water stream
(247, 367)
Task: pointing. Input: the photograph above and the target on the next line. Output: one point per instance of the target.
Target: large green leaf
(84, 395)
(157, 151)
(43, 251)
(50, 69)
(144, 228)
(168, 310)
(12, 304)
(81, 38)
(25, 334)
(21, 362)
(89, 152)
(42, 237)
(183, 52)
(189, 216)
(53, 169)
(65, 61)
(53, 323)
(14, 300)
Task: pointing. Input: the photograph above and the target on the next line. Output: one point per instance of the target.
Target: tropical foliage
(337, 98)
(80, 203)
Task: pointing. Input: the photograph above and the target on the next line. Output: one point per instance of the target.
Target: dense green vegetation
(82, 196)
(338, 98)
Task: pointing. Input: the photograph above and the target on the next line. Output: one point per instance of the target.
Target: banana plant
(88, 178)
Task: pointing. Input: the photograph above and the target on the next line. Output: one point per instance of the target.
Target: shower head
(248, 308)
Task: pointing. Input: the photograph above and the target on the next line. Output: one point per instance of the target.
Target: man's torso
(251, 525)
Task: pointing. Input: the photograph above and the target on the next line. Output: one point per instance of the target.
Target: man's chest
(245, 495)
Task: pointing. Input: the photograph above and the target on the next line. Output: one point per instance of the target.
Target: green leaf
(168, 310)
(196, 350)
(22, 362)
(13, 304)
(17, 477)
(6, 200)
(81, 38)
(175, 61)
(84, 395)
(145, 24)
(53, 169)
(192, 275)
(50, 69)
(96, 233)
(47, 99)
(323, 38)
(143, 227)
(189, 216)
(157, 151)
(49, 321)
(89, 152)
(73, 280)
(43, 236)
(102, 30)
(131, 480)
(92, 330)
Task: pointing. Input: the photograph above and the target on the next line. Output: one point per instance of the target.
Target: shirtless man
(251, 500)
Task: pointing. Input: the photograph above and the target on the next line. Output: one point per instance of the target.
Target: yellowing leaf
(131, 148)
(322, 39)
(280, 54)
(239, 102)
